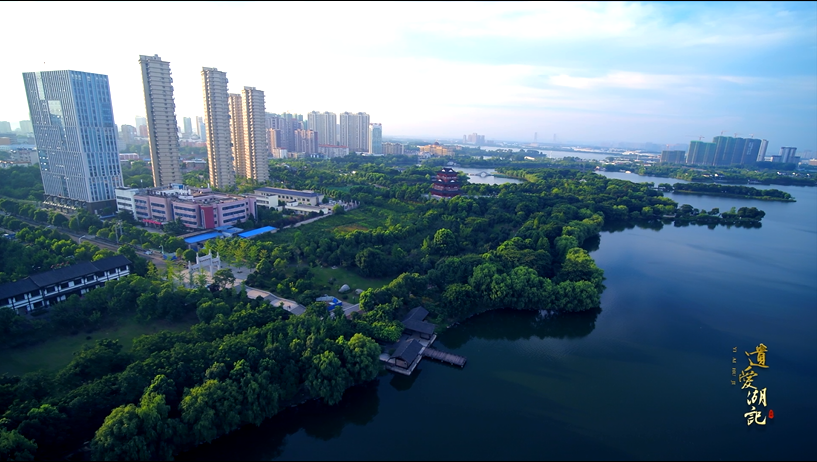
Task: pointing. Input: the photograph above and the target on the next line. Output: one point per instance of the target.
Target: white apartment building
(325, 123)
(163, 136)
(354, 131)
(217, 125)
(254, 131)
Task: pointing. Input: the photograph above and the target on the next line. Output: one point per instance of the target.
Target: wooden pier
(442, 356)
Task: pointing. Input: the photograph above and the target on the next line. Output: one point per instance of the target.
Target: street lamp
(79, 241)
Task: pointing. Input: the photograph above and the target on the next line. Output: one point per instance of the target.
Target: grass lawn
(344, 276)
(364, 218)
(52, 355)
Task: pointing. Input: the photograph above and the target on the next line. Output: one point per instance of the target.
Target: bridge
(455, 360)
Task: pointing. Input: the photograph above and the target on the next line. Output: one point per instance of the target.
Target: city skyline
(608, 72)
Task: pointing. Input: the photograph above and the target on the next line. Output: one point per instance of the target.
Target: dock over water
(449, 358)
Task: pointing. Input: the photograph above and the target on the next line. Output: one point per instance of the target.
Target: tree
(190, 255)
(14, 446)
(445, 243)
(141, 432)
(579, 266)
(175, 228)
(224, 277)
(327, 378)
(44, 425)
(576, 296)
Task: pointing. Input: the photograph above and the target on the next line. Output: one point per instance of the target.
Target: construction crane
(752, 135)
(736, 135)
(700, 138)
(722, 132)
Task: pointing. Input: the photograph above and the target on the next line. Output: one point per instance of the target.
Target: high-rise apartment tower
(249, 133)
(163, 135)
(375, 138)
(354, 131)
(325, 124)
(217, 124)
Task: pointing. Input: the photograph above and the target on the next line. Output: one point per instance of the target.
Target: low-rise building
(288, 195)
(41, 290)
(330, 151)
(437, 149)
(197, 208)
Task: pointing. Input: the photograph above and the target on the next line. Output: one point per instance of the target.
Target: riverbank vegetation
(748, 192)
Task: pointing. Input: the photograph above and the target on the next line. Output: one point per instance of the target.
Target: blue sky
(592, 72)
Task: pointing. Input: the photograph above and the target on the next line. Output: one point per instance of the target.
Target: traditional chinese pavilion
(446, 185)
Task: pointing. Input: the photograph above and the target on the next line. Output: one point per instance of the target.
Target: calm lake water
(475, 177)
(647, 377)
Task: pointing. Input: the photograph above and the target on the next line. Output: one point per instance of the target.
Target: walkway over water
(442, 356)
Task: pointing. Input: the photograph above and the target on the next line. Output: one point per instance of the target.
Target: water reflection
(619, 226)
(402, 382)
(359, 406)
(515, 325)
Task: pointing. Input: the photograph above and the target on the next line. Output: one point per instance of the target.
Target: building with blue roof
(257, 232)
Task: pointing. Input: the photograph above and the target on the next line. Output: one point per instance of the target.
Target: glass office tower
(74, 128)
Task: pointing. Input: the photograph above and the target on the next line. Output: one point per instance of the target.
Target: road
(156, 258)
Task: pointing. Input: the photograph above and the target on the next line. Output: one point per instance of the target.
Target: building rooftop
(408, 351)
(256, 232)
(37, 281)
(202, 237)
(291, 192)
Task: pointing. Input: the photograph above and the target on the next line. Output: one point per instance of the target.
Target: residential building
(393, 148)
(29, 156)
(127, 133)
(787, 154)
(217, 122)
(672, 157)
(375, 138)
(761, 154)
(306, 141)
(325, 123)
(750, 151)
(474, 138)
(76, 138)
(5, 127)
(354, 131)
(26, 128)
(330, 151)
(187, 131)
(726, 150)
(237, 134)
(279, 153)
(163, 136)
(254, 149)
(273, 138)
(44, 289)
(287, 124)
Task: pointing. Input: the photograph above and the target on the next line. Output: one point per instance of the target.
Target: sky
(584, 72)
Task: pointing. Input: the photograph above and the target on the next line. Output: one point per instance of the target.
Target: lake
(475, 177)
(647, 377)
